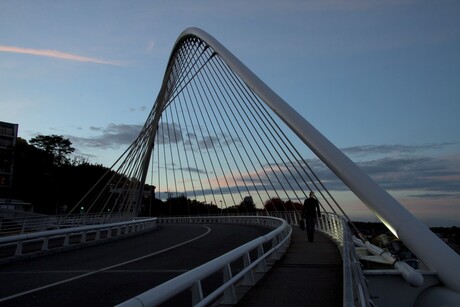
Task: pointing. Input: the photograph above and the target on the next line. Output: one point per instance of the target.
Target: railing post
(59, 221)
(229, 293)
(83, 237)
(296, 218)
(66, 240)
(318, 224)
(197, 293)
(45, 244)
(277, 254)
(330, 225)
(321, 223)
(43, 224)
(23, 228)
(18, 251)
(262, 266)
(249, 279)
(337, 227)
(331, 222)
(348, 295)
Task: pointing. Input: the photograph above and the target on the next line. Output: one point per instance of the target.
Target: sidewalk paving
(308, 274)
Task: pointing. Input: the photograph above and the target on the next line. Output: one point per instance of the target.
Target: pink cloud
(56, 54)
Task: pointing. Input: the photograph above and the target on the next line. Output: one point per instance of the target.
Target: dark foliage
(177, 206)
(55, 186)
(276, 204)
(56, 146)
(50, 187)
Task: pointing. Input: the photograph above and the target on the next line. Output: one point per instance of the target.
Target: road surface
(110, 273)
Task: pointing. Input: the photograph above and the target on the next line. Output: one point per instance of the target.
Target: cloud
(414, 173)
(352, 5)
(393, 149)
(116, 135)
(208, 142)
(193, 170)
(423, 175)
(169, 133)
(150, 46)
(249, 7)
(112, 136)
(435, 195)
(137, 109)
(57, 54)
(432, 177)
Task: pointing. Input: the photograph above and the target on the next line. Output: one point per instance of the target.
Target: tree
(50, 189)
(293, 205)
(32, 175)
(247, 205)
(274, 204)
(56, 146)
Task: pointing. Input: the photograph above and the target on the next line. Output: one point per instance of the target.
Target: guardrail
(291, 217)
(278, 240)
(71, 236)
(12, 223)
(355, 291)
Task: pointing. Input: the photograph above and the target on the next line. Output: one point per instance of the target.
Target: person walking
(310, 212)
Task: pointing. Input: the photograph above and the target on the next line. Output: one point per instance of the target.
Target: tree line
(182, 205)
(48, 176)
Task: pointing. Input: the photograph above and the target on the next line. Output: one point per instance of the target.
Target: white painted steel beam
(420, 240)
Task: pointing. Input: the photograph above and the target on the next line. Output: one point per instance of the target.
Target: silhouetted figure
(310, 212)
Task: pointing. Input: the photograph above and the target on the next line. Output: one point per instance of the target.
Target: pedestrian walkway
(309, 274)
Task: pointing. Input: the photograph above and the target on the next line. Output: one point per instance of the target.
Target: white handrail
(280, 238)
(52, 233)
(13, 224)
(130, 227)
(355, 291)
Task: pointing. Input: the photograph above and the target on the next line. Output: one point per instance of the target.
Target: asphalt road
(110, 273)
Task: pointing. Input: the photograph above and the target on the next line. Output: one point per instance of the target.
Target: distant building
(8, 136)
(14, 205)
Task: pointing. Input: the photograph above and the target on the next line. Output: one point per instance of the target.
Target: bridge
(223, 150)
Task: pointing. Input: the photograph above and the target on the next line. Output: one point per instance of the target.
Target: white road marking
(103, 269)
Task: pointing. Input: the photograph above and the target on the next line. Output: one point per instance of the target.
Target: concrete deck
(309, 274)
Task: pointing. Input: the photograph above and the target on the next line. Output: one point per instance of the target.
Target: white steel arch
(399, 220)
(427, 246)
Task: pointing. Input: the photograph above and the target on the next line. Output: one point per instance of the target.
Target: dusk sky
(380, 79)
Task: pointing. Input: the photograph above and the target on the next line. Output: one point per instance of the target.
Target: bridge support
(400, 221)
(438, 296)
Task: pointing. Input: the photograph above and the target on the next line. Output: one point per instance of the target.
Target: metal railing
(291, 217)
(66, 236)
(355, 292)
(278, 240)
(11, 224)
(354, 286)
